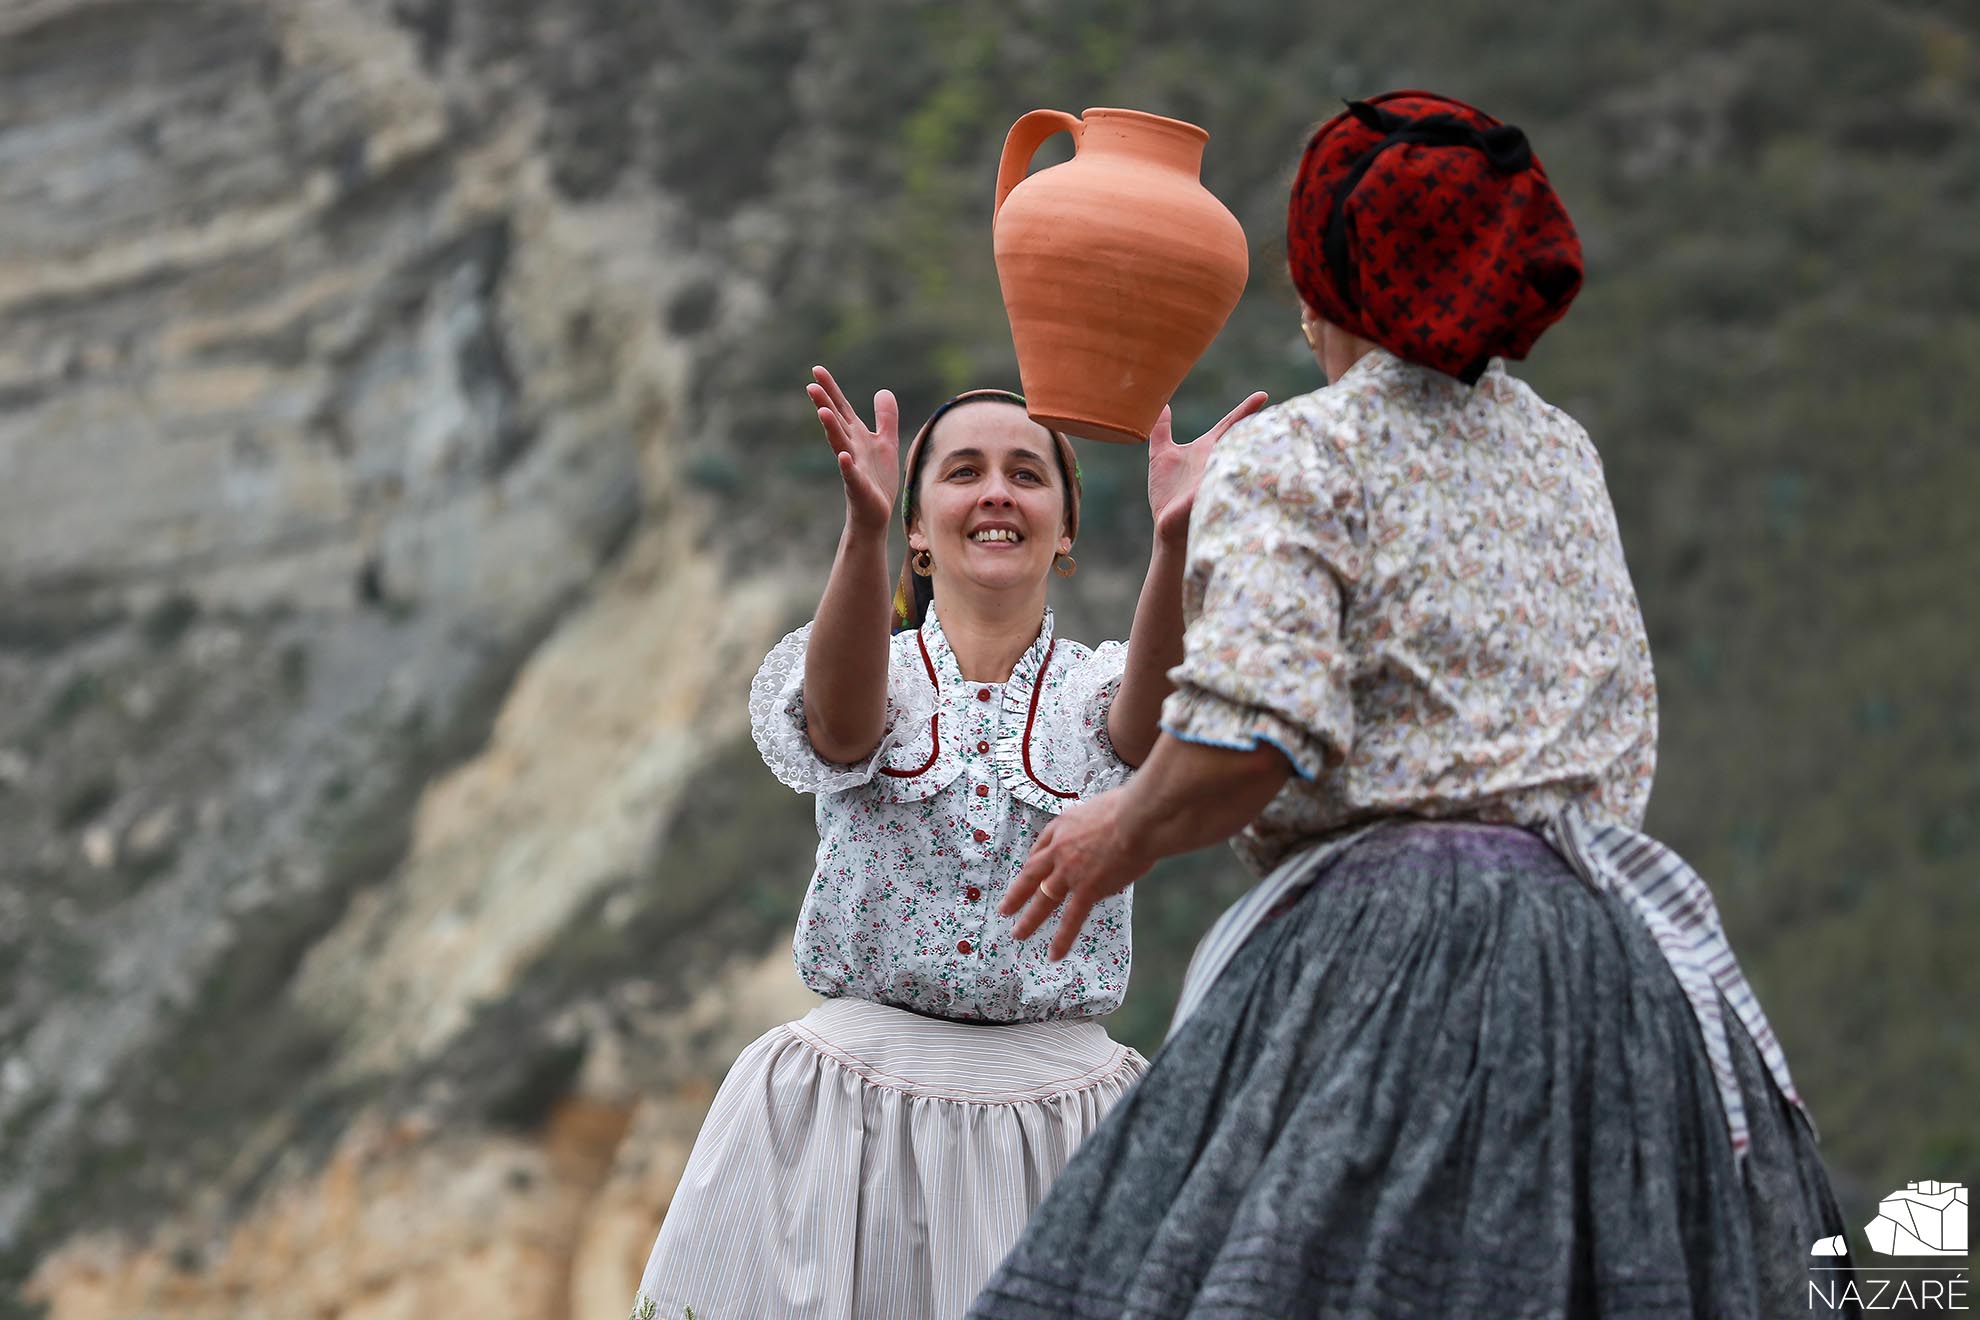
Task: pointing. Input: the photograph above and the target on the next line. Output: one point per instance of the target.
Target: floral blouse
(1416, 591)
(917, 843)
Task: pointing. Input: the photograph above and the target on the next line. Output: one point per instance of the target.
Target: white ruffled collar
(948, 671)
(1019, 764)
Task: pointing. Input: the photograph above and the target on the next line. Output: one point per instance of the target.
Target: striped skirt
(866, 1163)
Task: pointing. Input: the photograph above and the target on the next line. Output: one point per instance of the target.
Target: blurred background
(404, 463)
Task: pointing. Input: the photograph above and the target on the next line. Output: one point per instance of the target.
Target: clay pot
(1118, 267)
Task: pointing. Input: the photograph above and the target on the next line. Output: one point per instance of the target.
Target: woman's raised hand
(1175, 471)
(869, 456)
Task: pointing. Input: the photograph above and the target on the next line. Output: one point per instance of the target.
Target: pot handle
(1026, 136)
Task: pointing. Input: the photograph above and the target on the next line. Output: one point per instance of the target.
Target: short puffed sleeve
(1058, 750)
(1275, 543)
(1091, 687)
(777, 721)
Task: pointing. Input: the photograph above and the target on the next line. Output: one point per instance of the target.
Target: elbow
(839, 745)
(1132, 750)
(842, 753)
(1132, 738)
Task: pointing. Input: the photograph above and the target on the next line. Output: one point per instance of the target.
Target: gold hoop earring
(1311, 329)
(1065, 565)
(923, 563)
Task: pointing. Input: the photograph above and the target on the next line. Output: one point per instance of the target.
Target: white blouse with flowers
(917, 843)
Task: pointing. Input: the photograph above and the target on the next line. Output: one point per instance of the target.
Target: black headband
(919, 446)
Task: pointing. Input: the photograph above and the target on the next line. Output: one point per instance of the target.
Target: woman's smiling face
(990, 506)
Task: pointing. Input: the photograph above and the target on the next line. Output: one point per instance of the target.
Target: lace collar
(948, 671)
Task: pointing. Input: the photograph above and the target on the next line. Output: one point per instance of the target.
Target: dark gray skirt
(1449, 1081)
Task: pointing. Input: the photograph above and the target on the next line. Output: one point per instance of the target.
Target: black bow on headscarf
(1504, 145)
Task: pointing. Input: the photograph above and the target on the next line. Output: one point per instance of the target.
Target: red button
(973, 893)
(983, 747)
(964, 946)
(983, 836)
(983, 790)
(983, 694)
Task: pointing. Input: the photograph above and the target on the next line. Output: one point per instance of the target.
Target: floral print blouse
(1415, 590)
(917, 843)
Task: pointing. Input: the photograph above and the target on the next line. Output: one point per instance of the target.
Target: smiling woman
(879, 1156)
(1028, 522)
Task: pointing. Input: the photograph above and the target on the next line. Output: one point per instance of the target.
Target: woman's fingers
(1071, 921)
(1036, 913)
(1029, 876)
(887, 416)
(1163, 432)
(822, 399)
(866, 460)
(1035, 889)
(836, 397)
(835, 431)
(1258, 399)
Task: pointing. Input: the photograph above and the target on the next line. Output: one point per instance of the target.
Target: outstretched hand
(869, 456)
(1082, 857)
(1175, 471)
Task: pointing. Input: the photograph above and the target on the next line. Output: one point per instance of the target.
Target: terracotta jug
(1118, 267)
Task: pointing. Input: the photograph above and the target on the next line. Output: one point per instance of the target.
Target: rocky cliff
(360, 639)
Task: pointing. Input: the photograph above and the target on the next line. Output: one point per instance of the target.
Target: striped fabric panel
(1670, 898)
(1675, 903)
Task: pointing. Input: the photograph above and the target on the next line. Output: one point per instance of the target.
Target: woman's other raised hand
(869, 456)
(1175, 471)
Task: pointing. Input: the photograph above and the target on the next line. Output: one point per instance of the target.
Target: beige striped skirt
(866, 1163)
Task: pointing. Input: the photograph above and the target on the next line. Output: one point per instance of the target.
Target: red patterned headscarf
(1429, 227)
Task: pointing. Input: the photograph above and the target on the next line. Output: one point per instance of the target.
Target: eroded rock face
(412, 1216)
(400, 1222)
(347, 583)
